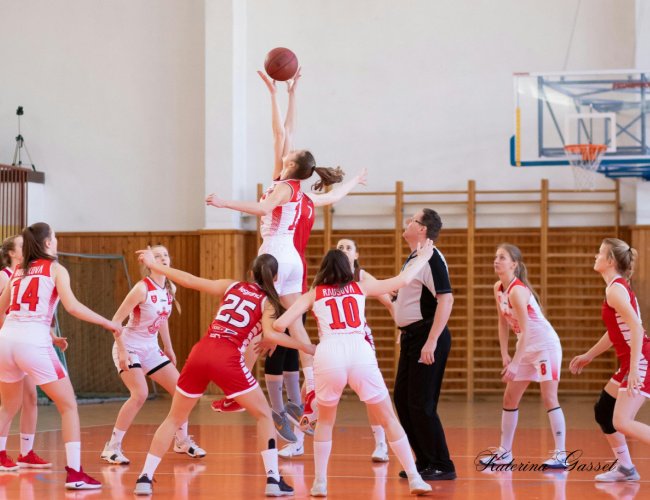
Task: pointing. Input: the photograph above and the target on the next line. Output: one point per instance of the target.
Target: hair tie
(313, 169)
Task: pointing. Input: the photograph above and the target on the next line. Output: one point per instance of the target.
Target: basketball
(281, 64)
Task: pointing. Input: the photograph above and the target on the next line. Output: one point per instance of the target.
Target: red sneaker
(226, 405)
(79, 480)
(310, 415)
(32, 461)
(6, 463)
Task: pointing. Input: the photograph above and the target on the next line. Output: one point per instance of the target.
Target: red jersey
(340, 310)
(33, 294)
(283, 219)
(240, 314)
(617, 330)
(302, 233)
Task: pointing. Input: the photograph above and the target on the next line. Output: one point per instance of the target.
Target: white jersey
(340, 310)
(33, 295)
(540, 334)
(8, 272)
(147, 317)
(282, 221)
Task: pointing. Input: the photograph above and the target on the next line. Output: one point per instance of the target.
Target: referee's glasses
(413, 219)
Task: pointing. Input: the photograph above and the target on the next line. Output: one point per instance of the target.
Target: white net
(585, 160)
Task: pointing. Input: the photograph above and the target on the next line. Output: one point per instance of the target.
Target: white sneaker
(113, 454)
(189, 446)
(417, 486)
(381, 453)
(618, 474)
(319, 488)
(292, 450)
(557, 460)
(497, 456)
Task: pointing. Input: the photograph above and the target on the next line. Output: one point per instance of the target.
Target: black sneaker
(277, 488)
(431, 474)
(403, 475)
(143, 486)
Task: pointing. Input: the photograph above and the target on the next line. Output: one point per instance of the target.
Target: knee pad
(604, 412)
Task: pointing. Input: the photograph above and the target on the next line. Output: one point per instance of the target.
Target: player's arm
(281, 194)
(374, 288)
(276, 124)
(519, 297)
(340, 191)
(280, 338)
(76, 308)
(298, 308)
(504, 330)
(579, 362)
(4, 280)
(384, 299)
(290, 119)
(137, 295)
(5, 297)
(182, 278)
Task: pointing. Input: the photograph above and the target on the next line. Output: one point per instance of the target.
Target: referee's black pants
(416, 393)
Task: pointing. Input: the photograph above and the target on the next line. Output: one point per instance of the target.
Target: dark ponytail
(264, 270)
(34, 237)
(8, 245)
(306, 167)
(334, 270)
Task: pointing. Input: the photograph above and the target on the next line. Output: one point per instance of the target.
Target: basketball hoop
(585, 159)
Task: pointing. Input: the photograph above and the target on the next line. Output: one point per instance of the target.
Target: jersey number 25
(236, 311)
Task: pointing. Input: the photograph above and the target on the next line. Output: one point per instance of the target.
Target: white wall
(136, 109)
(114, 108)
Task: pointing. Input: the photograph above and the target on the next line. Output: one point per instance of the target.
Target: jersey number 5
(350, 311)
(236, 311)
(30, 295)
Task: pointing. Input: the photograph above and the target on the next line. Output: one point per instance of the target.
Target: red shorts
(218, 361)
(620, 377)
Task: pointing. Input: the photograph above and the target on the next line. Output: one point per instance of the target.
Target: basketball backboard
(553, 110)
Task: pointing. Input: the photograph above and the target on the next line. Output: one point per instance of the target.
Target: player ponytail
(306, 167)
(8, 245)
(264, 270)
(624, 255)
(334, 270)
(34, 248)
(520, 271)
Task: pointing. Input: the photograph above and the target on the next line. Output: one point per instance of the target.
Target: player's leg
(11, 398)
(548, 368)
(28, 417)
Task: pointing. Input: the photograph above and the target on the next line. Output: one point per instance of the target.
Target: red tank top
(617, 330)
(301, 236)
(240, 313)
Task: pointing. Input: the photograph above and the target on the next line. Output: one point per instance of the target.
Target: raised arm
(299, 307)
(276, 124)
(280, 338)
(281, 194)
(187, 280)
(340, 191)
(290, 119)
(385, 299)
(374, 288)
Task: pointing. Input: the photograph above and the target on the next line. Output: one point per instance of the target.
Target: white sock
(26, 443)
(270, 459)
(274, 388)
(300, 435)
(3, 443)
(322, 450)
(116, 437)
(508, 426)
(150, 465)
(622, 454)
(378, 432)
(73, 454)
(558, 426)
(181, 433)
(402, 449)
(308, 372)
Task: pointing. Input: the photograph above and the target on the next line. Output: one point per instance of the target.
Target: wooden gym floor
(232, 469)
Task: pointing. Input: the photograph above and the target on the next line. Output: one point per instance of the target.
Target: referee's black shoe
(431, 474)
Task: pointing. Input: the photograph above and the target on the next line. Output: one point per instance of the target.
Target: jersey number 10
(350, 311)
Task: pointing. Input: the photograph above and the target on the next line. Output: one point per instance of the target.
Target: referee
(422, 309)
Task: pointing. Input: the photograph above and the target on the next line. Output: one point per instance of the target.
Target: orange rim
(589, 152)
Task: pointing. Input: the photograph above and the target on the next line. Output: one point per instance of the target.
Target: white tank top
(146, 318)
(340, 310)
(33, 294)
(540, 333)
(283, 219)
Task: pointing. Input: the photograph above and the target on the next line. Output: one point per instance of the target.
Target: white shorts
(29, 351)
(347, 359)
(540, 366)
(290, 268)
(148, 357)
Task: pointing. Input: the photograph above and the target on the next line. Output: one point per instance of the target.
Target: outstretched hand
(362, 177)
(146, 257)
(425, 250)
(214, 200)
(293, 82)
(270, 84)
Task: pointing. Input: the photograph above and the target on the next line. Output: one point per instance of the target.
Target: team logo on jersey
(169, 298)
(154, 299)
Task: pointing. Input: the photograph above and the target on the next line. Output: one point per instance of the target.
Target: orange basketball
(281, 64)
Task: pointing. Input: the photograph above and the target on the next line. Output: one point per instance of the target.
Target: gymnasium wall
(135, 109)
